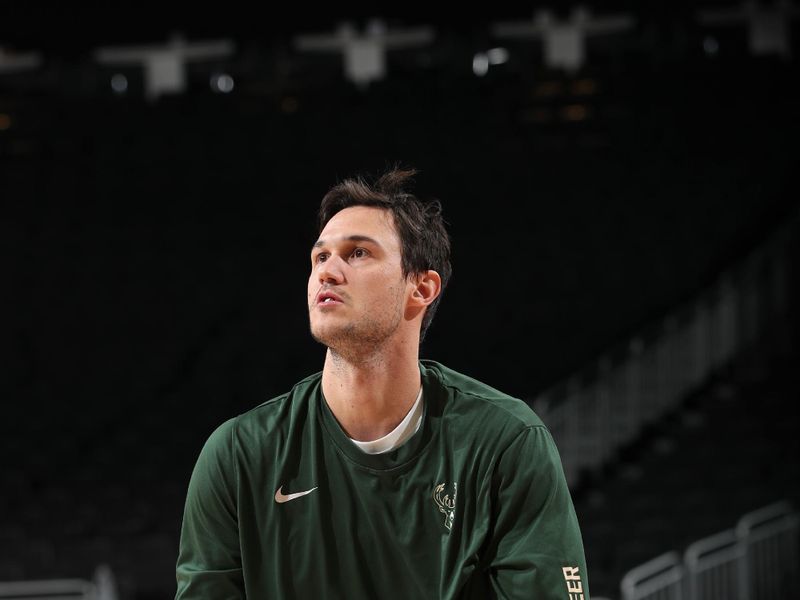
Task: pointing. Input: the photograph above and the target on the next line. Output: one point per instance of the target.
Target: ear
(427, 288)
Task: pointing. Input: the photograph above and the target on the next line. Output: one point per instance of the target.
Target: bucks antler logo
(446, 503)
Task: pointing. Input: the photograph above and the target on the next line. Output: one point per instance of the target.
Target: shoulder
(474, 401)
(261, 423)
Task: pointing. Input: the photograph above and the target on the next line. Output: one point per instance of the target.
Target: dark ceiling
(74, 28)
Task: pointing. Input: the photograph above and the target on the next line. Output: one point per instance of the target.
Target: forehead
(371, 221)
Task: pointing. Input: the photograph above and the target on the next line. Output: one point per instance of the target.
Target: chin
(327, 336)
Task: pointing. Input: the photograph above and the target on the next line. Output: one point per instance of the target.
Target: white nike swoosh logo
(280, 497)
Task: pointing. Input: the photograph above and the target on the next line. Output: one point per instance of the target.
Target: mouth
(328, 299)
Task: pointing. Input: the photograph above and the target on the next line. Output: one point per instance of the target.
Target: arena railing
(757, 559)
(658, 579)
(770, 551)
(713, 567)
(101, 587)
(592, 414)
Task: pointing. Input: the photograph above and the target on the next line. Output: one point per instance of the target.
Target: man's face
(356, 290)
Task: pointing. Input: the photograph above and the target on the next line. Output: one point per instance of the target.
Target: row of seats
(729, 449)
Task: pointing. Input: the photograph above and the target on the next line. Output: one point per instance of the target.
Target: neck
(370, 395)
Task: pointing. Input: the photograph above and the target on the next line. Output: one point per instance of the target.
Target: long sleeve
(536, 551)
(209, 560)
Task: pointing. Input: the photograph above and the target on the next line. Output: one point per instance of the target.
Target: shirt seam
(499, 406)
(486, 483)
(281, 397)
(502, 452)
(235, 468)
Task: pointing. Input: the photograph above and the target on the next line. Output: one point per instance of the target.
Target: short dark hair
(424, 241)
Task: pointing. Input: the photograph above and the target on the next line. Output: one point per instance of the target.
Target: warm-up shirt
(474, 505)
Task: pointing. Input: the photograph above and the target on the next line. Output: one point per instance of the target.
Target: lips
(328, 298)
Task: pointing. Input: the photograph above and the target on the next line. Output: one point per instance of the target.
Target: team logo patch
(446, 503)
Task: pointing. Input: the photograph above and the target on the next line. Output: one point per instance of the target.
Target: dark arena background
(621, 187)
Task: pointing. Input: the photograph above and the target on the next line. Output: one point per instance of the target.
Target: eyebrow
(351, 238)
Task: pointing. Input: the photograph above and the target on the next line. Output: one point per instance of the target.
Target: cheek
(397, 292)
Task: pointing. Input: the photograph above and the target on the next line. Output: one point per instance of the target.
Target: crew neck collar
(407, 427)
(434, 395)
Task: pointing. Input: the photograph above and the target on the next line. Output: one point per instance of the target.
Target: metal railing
(770, 552)
(598, 410)
(756, 560)
(657, 579)
(713, 567)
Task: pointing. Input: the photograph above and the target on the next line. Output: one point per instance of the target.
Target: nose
(331, 271)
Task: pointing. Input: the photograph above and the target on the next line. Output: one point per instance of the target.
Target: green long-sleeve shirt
(282, 504)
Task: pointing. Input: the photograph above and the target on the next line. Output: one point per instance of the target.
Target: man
(384, 476)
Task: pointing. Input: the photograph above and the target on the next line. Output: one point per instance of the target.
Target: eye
(321, 257)
(359, 253)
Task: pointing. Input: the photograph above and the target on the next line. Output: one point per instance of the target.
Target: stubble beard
(361, 341)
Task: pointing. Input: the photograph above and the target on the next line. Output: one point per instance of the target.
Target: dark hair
(423, 238)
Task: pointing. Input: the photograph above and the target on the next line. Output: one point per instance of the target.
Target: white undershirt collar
(404, 430)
